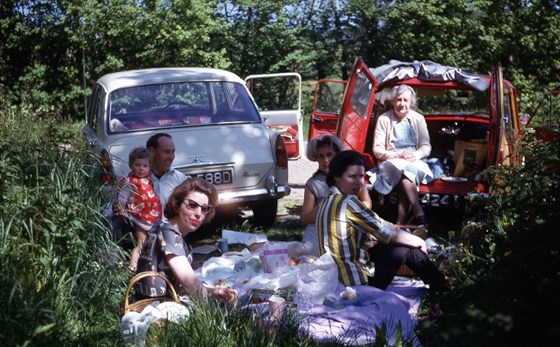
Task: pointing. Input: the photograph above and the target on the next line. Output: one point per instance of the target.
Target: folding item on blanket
(275, 255)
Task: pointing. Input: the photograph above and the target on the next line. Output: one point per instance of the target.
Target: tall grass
(57, 286)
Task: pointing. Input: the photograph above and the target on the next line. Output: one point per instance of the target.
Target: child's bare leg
(140, 238)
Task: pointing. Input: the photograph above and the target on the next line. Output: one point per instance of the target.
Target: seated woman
(190, 205)
(320, 149)
(401, 141)
(343, 220)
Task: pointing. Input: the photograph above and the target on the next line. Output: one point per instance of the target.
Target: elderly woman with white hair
(401, 141)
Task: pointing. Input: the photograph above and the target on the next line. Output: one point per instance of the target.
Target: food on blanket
(348, 294)
(253, 264)
(306, 259)
(255, 243)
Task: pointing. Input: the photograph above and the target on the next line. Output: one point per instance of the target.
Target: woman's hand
(226, 295)
(408, 155)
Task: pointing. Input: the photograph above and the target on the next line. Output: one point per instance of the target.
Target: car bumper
(252, 195)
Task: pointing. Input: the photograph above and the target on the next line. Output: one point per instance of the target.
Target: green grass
(62, 281)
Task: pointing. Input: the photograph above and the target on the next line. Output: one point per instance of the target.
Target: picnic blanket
(352, 325)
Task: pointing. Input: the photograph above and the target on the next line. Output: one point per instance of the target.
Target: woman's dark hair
(340, 162)
(173, 205)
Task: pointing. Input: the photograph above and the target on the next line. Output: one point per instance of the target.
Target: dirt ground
(289, 207)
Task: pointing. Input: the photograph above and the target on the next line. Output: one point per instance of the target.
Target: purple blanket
(355, 325)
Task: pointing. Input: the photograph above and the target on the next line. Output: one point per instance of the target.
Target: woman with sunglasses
(190, 205)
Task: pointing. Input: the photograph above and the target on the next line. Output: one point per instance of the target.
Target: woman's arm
(423, 142)
(380, 139)
(184, 273)
(364, 197)
(404, 238)
(308, 209)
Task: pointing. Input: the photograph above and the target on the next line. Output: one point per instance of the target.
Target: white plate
(454, 179)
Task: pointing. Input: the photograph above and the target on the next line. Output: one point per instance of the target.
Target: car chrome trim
(252, 194)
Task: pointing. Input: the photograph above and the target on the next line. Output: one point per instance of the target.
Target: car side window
(96, 108)
(361, 95)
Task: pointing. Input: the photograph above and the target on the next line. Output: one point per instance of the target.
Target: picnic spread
(310, 287)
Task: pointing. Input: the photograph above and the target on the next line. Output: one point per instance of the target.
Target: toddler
(137, 200)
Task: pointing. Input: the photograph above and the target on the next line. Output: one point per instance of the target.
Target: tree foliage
(52, 51)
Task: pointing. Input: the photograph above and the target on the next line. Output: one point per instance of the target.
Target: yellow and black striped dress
(343, 222)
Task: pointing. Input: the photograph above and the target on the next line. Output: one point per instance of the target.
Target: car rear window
(179, 105)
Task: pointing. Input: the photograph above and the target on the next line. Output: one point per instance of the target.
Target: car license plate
(439, 200)
(216, 177)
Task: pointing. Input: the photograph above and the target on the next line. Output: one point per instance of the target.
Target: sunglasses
(193, 205)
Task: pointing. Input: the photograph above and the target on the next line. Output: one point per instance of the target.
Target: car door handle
(316, 119)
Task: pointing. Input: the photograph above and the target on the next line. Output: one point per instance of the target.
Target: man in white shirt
(165, 179)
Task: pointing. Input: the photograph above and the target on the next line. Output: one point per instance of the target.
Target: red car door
(357, 107)
(327, 99)
(496, 112)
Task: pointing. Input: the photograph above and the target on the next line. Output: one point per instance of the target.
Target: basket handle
(144, 274)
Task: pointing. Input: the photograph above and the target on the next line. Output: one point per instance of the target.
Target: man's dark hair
(153, 140)
(340, 162)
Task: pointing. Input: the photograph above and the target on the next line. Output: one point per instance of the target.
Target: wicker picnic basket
(404, 270)
(139, 305)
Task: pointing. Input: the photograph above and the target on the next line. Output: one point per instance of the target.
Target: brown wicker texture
(404, 270)
(139, 305)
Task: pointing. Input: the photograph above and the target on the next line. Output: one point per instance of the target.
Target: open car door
(357, 107)
(278, 96)
(496, 114)
(327, 99)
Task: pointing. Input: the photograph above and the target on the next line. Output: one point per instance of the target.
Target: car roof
(133, 78)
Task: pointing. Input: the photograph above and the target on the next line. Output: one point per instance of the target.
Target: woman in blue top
(401, 142)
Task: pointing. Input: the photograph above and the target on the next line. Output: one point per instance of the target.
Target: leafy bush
(508, 256)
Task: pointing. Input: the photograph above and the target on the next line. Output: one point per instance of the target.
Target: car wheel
(264, 213)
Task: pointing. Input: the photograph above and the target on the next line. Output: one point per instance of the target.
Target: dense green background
(53, 50)
(62, 280)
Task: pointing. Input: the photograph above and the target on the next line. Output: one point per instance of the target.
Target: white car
(216, 126)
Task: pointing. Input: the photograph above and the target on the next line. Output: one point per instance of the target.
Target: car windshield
(180, 104)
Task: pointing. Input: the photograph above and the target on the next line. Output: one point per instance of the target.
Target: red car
(473, 121)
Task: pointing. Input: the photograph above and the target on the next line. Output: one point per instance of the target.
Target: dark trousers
(389, 258)
(122, 231)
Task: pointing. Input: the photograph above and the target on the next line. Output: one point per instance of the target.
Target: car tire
(264, 213)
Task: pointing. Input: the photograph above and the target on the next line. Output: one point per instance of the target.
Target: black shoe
(420, 220)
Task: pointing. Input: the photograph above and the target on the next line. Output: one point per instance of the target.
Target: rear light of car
(280, 153)
(106, 168)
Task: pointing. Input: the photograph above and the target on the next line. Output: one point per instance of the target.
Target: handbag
(139, 305)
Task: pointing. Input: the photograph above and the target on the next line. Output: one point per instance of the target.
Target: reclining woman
(190, 205)
(320, 149)
(342, 221)
(401, 141)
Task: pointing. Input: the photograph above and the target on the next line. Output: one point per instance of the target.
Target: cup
(276, 306)
(222, 245)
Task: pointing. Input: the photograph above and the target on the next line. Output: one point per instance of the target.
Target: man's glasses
(193, 205)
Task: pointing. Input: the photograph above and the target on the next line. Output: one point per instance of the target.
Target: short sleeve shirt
(171, 242)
